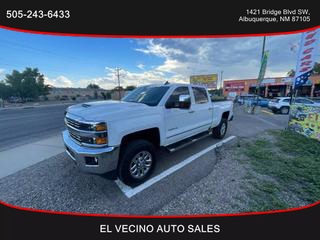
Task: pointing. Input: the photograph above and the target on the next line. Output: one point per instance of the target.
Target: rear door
(201, 109)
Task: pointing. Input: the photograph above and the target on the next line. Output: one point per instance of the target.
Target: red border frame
(163, 36)
(182, 216)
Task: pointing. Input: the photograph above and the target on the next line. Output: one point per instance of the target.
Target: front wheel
(137, 161)
(221, 130)
(284, 110)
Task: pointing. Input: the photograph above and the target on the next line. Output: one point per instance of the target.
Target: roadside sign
(209, 81)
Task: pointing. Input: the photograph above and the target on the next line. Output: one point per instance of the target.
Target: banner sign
(234, 86)
(263, 67)
(305, 120)
(306, 56)
(209, 81)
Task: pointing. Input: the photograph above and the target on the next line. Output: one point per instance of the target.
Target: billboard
(209, 81)
(305, 120)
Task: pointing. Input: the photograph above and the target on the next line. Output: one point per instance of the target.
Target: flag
(263, 66)
(302, 79)
(306, 56)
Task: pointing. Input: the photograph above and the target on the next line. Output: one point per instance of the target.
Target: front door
(179, 122)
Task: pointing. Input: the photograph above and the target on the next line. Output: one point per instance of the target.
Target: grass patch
(285, 162)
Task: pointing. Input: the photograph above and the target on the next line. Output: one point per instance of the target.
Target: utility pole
(263, 47)
(117, 70)
(221, 83)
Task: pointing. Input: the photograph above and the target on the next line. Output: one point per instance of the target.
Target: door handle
(192, 111)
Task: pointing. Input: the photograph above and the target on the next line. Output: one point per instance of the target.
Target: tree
(130, 88)
(93, 86)
(27, 84)
(316, 68)
(291, 73)
(5, 91)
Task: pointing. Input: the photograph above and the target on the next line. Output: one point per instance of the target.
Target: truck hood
(107, 110)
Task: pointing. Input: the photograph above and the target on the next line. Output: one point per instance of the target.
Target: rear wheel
(284, 110)
(137, 161)
(221, 130)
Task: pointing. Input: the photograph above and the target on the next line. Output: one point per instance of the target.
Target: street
(55, 184)
(21, 126)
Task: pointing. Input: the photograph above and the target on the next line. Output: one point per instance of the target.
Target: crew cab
(123, 135)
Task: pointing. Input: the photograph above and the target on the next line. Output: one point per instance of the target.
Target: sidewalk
(24, 156)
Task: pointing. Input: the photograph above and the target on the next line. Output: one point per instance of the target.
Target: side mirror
(184, 101)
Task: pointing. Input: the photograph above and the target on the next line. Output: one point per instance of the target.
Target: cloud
(60, 81)
(2, 72)
(159, 50)
(140, 66)
(238, 58)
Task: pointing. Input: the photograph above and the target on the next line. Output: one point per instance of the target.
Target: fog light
(91, 160)
(101, 140)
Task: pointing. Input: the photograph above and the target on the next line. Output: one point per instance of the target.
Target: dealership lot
(55, 184)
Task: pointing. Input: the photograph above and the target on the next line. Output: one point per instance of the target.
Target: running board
(186, 142)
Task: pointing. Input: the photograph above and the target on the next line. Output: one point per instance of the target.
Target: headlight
(100, 127)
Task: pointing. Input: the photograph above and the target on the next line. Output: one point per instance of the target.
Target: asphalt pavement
(25, 125)
(55, 184)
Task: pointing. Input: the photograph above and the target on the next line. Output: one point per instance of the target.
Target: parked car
(123, 135)
(282, 104)
(253, 99)
(16, 100)
(64, 98)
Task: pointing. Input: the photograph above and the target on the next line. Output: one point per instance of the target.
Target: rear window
(200, 95)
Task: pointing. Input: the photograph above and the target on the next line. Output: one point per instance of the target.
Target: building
(271, 87)
(76, 93)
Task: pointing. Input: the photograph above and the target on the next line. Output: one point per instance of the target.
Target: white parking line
(130, 192)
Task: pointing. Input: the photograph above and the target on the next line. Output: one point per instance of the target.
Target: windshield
(150, 95)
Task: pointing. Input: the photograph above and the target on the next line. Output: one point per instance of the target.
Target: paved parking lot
(55, 184)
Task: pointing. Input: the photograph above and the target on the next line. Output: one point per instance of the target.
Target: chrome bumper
(105, 159)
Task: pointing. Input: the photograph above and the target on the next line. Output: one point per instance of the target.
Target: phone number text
(38, 14)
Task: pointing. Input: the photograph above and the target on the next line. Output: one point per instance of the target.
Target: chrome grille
(78, 125)
(75, 136)
(80, 139)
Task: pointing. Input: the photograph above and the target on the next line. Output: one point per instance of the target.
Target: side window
(286, 100)
(200, 95)
(173, 100)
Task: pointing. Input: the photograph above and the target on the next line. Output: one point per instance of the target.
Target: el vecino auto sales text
(161, 228)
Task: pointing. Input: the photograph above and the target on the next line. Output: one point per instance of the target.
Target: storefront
(272, 87)
(234, 88)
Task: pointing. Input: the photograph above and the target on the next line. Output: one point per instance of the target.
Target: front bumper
(273, 108)
(105, 159)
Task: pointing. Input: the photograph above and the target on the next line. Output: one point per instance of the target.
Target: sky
(78, 61)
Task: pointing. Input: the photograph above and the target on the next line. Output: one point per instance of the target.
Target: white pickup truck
(123, 135)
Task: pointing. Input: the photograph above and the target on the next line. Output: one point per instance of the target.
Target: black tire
(284, 110)
(129, 155)
(220, 130)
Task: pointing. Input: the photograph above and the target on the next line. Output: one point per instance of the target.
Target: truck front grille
(78, 125)
(80, 139)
